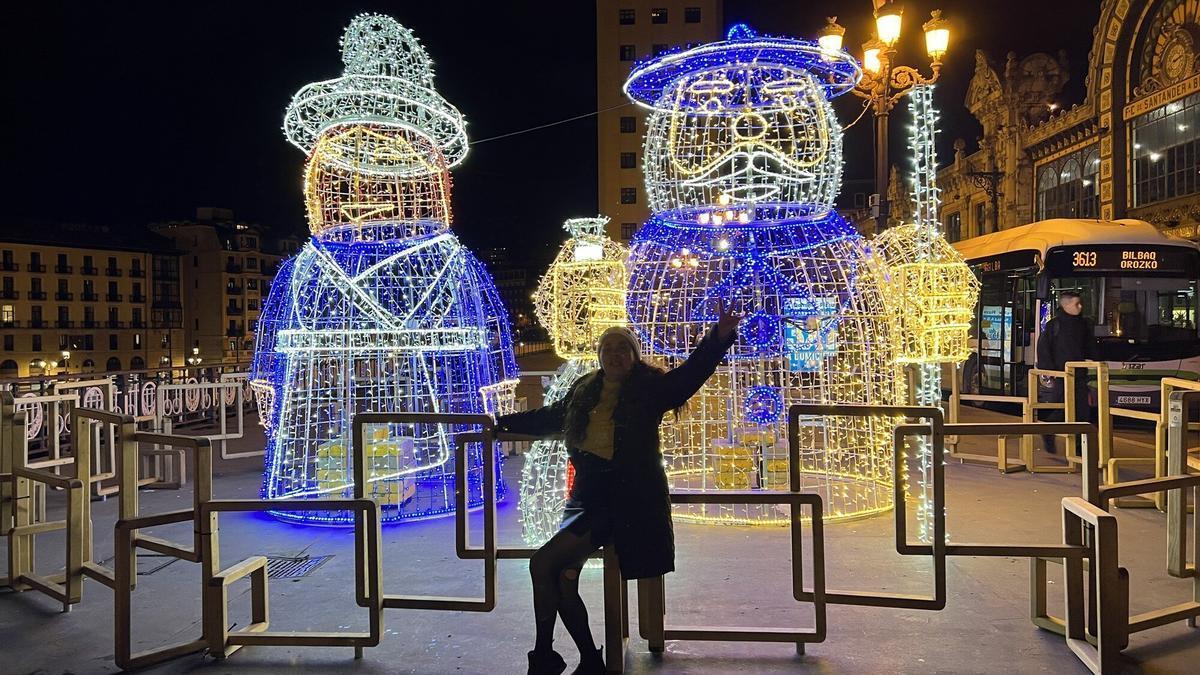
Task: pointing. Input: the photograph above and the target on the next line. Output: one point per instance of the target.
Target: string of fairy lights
(933, 293)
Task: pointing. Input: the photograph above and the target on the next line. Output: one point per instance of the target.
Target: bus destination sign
(1122, 259)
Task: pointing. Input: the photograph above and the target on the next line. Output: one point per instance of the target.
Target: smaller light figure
(581, 295)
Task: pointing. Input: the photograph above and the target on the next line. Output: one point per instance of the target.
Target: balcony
(137, 273)
(9, 324)
(113, 323)
(64, 323)
(233, 311)
(37, 323)
(137, 323)
(9, 266)
(35, 268)
(112, 272)
(90, 323)
(233, 290)
(89, 297)
(114, 297)
(235, 332)
(233, 268)
(64, 295)
(90, 271)
(9, 294)
(37, 295)
(63, 269)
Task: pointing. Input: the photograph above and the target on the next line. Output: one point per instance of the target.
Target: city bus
(1137, 284)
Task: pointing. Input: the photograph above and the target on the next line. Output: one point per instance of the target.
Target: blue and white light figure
(742, 165)
(382, 310)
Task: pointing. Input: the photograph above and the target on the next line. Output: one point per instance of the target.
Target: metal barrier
(1088, 551)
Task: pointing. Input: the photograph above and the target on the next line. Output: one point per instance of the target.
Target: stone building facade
(1130, 149)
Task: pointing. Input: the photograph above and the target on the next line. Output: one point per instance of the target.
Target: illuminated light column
(581, 295)
(382, 310)
(742, 165)
(932, 291)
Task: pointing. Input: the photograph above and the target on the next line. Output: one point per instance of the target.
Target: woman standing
(610, 420)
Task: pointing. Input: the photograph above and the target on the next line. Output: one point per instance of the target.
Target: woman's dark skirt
(589, 507)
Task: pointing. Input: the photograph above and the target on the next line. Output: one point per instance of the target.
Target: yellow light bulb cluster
(583, 292)
(932, 294)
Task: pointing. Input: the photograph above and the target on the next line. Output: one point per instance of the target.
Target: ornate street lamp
(884, 81)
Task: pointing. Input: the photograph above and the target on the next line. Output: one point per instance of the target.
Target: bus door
(995, 342)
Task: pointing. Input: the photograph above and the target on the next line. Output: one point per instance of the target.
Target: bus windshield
(1133, 312)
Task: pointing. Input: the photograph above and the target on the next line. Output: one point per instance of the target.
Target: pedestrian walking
(1068, 336)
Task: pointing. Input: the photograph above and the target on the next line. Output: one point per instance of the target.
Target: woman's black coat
(641, 517)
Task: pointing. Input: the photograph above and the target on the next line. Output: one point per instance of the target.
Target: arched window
(1047, 181)
(113, 364)
(8, 367)
(89, 366)
(1066, 188)
(1089, 203)
(137, 363)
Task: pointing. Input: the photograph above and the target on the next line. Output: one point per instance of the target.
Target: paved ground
(727, 575)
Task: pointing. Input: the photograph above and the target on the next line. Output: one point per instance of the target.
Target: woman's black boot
(591, 663)
(548, 662)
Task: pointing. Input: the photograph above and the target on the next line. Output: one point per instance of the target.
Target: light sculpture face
(367, 181)
(745, 135)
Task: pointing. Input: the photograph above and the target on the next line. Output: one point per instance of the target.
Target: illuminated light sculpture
(743, 161)
(382, 310)
(581, 295)
(932, 292)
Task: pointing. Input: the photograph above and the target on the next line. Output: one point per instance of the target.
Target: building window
(954, 226)
(626, 17)
(657, 49)
(628, 52)
(629, 125)
(1067, 187)
(8, 342)
(8, 314)
(691, 15)
(628, 160)
(981, 218)
(627, 230)
(112, 341)
(628, 195)
(1166, 152)
(658, 15)
(37, 343)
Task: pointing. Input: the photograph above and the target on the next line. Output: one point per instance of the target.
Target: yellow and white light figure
(583, 292)
(579, 297)
(931, 290)
(743, 162)
(383, 309)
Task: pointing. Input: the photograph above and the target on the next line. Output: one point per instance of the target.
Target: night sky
(125, 114)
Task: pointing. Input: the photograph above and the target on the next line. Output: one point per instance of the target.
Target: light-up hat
(837, 71)
(388, 81)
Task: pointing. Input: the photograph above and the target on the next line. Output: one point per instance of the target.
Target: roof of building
(90, 237)
(1046, 234)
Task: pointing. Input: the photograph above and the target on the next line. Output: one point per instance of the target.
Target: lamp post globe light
(885, 81)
